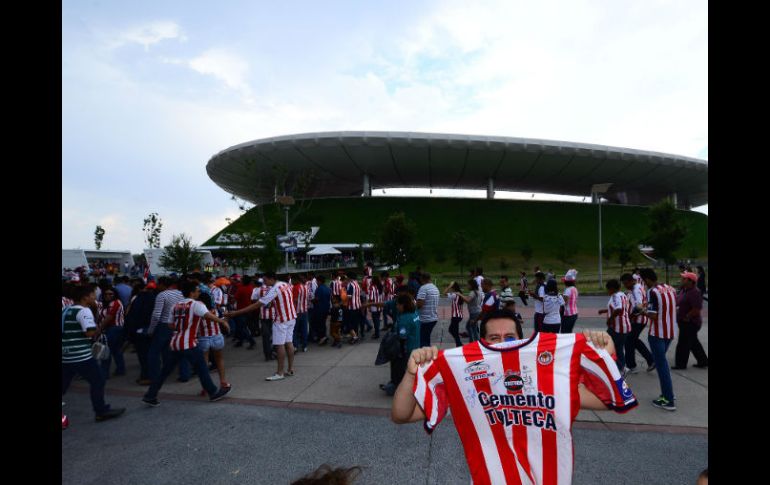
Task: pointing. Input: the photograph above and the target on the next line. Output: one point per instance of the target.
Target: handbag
(390, 348)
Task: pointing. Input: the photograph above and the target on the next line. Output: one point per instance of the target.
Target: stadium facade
(354, 163)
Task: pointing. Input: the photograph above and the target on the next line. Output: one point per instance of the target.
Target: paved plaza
(333, 411)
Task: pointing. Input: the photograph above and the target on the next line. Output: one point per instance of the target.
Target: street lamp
(597, 190)
(286, 201)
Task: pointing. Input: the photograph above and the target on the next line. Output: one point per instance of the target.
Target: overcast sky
(151, 90)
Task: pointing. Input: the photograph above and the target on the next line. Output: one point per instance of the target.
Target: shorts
(213, 342)
(283, 333)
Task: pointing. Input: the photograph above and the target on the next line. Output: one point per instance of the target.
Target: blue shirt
(124, 294)
(324, 296)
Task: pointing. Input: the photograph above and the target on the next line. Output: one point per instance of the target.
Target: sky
(151, 90)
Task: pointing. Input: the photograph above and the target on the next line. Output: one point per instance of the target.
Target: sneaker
(323, 341)
(664, 403)
(651, 367)
(275, 377)
(289, 373)
(152, 402)
(112, 413)
(222, 392)
(304, 349)
(632, 370)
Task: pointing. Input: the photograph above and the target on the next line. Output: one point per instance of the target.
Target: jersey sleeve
(600, 375)
(652, 302)
(430, 393)
(255, 294)
(270, 296)
(85, 318)
(199, 309)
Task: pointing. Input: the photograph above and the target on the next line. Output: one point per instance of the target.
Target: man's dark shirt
(687, 300)
(324, 295)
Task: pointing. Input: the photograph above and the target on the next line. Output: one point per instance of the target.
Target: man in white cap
(570, 302)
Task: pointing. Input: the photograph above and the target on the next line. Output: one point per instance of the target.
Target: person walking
(618, 323)
(266, 315)
(689, 303)
(454, 293)
(427, 304)
(637, 297)
(299, 292)
(553, 307)
(77, 330)
(506, 293)
(538, 296)
(375, 295)
(322, 298)
(137, 323)
(523, 288)
(702, 283)
(570, 301)
(188, 315)
(243, 300)
(111, 321)
(474, 302)
(661, 310)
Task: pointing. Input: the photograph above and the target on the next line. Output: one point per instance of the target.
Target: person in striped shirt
(353, 314)
(570, 302)
(188, 316)
(78, 329)
(454, 292)
(618, 324)
(637, 298)
(280, 295)
(389, 292)
(661, 311)
(111, 321)
(211, 341)
(375, 295)
(513, 401)
(299, 293)
(266, 316)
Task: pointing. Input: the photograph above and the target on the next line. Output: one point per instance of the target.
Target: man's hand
(601, 340)
(420, 357)
(603, 311)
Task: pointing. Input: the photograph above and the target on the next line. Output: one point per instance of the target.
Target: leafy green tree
(181, 256)
(397, 242)
(565, 251)
(152, 227)
(269, 255)
(465, 249)
(626, 249)
(666, 232)
(98, 237)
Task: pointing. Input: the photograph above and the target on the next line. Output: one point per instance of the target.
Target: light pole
(597, 190)
(286, 201)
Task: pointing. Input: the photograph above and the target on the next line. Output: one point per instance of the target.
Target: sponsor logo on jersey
(545, 358)
(478, 370)
(513, 382)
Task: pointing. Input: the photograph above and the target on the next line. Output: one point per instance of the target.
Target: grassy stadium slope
(504, 226)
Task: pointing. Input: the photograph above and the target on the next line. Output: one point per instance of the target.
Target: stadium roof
(351, 163)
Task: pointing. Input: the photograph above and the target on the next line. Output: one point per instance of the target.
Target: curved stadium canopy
(352, 163)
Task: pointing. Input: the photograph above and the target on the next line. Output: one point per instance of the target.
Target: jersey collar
(507, 346)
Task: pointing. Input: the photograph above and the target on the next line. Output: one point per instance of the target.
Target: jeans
(267, 337)
(619, 339)
(300, 331)
(539, 317)
(362, 322)
(633, 344)
(142, 344)
(115, 343)
(659, 346)
(472, 328)
(454, 330)
(376, 323)
(425, 330)
(318, 323)
(550, 327)
(91, 372)
(195, 356)
(159, 348)
(688, 342)
(523, 296)
(243, 332)
(568, 323)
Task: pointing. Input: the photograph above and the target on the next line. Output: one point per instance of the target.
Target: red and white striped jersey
(513, 403)
(365, 283)
(282, 299)
(662, 300)
(368, 271)
(114, 308)
(336, 287)
(188, 316)
(620, 323)
(571, 308)
(266, 312)
(299, 291)
(310, 292)
(354, 295)
(65, 302)
(638, 297)
(374, 296)
(457, 310)
(389, 288)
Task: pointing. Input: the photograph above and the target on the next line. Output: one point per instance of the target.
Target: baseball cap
(570, 276)
(690, 276)
(151, 285)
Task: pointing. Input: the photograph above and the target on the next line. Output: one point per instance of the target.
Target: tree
(626, 249)
(397, 242)
(181, 256)
(666, 232)
(269, 255)
(152, 226)
(98, 237)
(526, 252)
(466, 250)
(565, 251)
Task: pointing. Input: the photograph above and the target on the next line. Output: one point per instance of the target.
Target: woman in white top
(474, 309)
(553, 304)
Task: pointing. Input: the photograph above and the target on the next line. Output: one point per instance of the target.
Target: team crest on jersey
(545, 358)
(513, 381)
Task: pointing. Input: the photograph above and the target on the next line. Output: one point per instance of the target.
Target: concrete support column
(674, 199)
(367, 186)
(594, 198)
(491, 188)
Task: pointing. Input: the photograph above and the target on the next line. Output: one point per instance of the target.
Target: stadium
(341, 171)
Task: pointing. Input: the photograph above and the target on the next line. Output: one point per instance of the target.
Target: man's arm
(156, 311)
(251, 308)
(405, 408)
(600, 340)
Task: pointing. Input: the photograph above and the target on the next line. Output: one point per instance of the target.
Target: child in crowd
(335, 322)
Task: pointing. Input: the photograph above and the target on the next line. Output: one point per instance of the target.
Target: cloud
(225, 66)
(152, 33)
